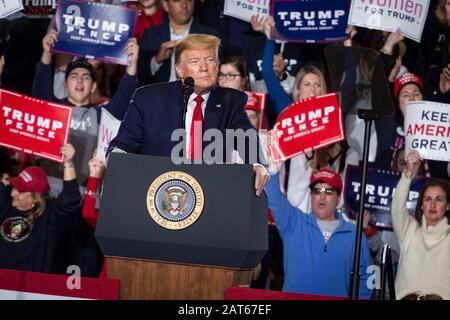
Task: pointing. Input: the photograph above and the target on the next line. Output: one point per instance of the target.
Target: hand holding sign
(48, 42)
(264, 24)
(96, 167)
(132, 50)
(393, 39)
(273, 166)
(68, 152)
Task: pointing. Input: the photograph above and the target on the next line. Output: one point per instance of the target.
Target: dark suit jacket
(156, 111)
(149, 47)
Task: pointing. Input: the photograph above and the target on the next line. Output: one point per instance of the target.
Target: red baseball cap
(327, 176)
(31, 179)
(405, 79)
(252, 102)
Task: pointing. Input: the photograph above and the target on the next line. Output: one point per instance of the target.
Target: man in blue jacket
(318, 247)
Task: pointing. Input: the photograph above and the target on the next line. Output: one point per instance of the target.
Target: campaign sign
(306, 125)
(310, 21)
(407, 15)
(32, 125)
(380, 189)
(94, 30)
(245, 9)
(39, 8)
(8, 7)
(109, 126)
(427, 129)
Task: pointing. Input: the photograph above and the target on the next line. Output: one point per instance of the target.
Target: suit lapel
(213, 111)
(175, 105)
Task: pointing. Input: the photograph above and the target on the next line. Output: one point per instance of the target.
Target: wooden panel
(142, 279)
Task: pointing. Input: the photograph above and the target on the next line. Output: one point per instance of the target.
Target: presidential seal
(175, 200)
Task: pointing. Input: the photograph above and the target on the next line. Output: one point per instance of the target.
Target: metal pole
(367, 116)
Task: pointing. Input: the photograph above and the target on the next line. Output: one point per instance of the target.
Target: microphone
(187, 89)
(188, 86)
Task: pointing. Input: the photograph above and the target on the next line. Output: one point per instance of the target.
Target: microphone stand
(187, 91)
(368, 116)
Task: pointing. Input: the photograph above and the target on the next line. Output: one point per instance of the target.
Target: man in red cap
(318, 247)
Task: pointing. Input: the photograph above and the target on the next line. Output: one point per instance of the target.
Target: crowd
(48, 211)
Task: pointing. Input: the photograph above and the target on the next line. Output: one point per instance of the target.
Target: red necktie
(195, 143)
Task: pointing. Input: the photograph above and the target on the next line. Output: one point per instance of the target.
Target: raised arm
(400, 216)
(43, 77)
(121, 100)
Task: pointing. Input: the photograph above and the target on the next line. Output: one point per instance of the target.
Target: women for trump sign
(32, 125)
(407, 15)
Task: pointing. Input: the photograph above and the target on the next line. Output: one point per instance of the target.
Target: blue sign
(310, 20)
(380, 188)
(94, 30)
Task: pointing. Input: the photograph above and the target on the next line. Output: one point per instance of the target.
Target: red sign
(34, 126)
(306, 125)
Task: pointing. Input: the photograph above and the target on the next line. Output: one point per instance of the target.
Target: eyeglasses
(228, 76)
(328, 191)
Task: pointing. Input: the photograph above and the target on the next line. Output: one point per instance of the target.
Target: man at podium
(157, 110)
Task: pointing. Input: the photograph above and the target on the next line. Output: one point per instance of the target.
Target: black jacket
(36, 251)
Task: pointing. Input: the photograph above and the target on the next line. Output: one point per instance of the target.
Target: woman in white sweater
(424, 265)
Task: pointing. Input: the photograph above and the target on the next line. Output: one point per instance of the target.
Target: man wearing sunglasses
(318, 247)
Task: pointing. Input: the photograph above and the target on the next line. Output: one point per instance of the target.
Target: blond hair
(199, 42)
(440, 12)
(301, 74)
(39, 206)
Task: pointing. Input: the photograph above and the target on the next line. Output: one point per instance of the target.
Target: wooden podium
(219, 250)
(153, 280)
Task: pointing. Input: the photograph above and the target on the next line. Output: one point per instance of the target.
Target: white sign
(389, 15)
(427, 129)
(245, 9)
(8, 7)
(109, 126)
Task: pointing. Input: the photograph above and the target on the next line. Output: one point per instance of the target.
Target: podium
(202, 254)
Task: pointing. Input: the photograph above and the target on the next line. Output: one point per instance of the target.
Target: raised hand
(279, 65)
(96, 167)
(48, 42)
(413, 161)
(132, 50)
(68, 151)
(392, 40)
(351, 32)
